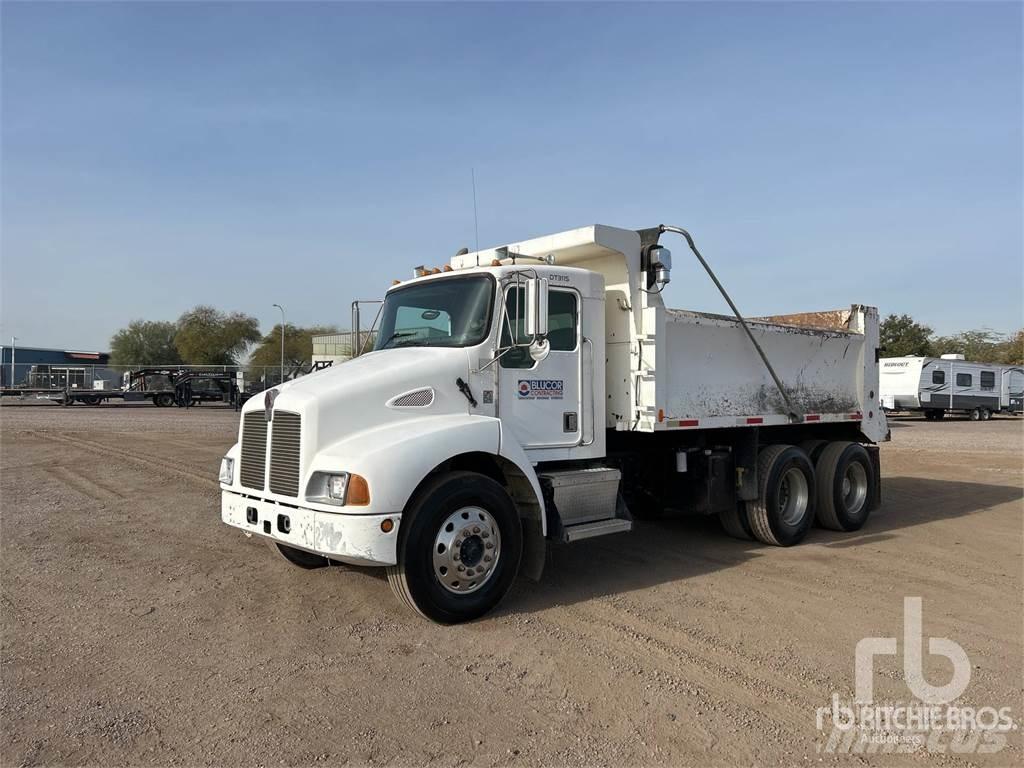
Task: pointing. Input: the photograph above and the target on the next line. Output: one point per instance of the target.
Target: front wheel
(297, 557)
(976, 414)
(458, 548)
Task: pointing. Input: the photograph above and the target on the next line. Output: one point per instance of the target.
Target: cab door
(540, 401)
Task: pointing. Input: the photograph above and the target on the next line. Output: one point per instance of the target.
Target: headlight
(337, 485)
(339, 488)
(227, 470)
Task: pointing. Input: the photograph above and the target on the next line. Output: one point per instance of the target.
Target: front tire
(976, 414)
(845, 479)
(784, 509)
(297, 557)
(459, 548)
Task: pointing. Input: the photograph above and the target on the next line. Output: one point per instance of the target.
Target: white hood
(352, 396)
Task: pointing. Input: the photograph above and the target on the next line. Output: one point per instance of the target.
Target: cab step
(581, 531)
(585, 503)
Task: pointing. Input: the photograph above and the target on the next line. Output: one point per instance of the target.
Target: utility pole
(282, 340)
(14, 343)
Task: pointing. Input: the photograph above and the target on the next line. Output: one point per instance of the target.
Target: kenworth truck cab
(542, 391)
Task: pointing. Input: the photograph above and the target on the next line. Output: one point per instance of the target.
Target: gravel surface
(137, 629)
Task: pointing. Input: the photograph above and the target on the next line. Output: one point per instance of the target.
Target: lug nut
(469, 571)
(487, 558)
(489, 545)
(462, 567)
(476, 529)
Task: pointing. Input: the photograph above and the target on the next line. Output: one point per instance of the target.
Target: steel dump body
(713, 376)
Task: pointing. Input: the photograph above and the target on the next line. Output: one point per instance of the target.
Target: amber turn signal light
(358, 494)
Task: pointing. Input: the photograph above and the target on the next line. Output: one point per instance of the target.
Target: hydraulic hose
(793, 415)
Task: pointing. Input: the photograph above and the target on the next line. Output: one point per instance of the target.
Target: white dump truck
(542, 391)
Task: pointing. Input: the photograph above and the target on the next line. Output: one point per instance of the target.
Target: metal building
(39, 367)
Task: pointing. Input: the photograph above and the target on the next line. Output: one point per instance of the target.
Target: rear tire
(976, 414)
(165, 400)
(459, 548)
(297, 557)
(986, 414)
(784, 509)
(735, 522)
(813, 449)
(845, 479)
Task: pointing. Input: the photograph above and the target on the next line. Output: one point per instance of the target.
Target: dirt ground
(137, 629)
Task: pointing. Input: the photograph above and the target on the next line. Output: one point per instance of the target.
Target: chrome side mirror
(539, 349)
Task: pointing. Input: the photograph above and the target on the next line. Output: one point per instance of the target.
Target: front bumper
(355, 539)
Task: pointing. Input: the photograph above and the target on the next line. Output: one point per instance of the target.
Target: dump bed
(708, 374)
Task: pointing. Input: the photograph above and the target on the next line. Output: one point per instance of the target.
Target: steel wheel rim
(793, 496)
(854, 488)
(466, 550)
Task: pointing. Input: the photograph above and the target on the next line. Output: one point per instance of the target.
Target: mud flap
(876, 491)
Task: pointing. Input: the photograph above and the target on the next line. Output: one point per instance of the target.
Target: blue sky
(158, 156)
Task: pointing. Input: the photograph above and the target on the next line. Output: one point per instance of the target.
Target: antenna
(476, 225)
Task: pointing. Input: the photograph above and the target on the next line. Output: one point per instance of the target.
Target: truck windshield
(450, 312)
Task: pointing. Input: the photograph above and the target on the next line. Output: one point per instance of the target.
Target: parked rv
(936, 386)
(543, 391)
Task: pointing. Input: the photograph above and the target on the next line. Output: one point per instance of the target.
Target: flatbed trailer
(180, 391)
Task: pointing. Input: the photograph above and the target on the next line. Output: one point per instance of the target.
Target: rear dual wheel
(846, 478)
(784, 509)
(829, 481)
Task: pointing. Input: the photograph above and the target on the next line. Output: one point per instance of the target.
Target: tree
(900, 336)
(207, 336)
(982, 345)
(145, 342)
(298, 348)
(1011, 351)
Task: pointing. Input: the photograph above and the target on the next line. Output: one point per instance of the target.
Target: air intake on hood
(418, 398)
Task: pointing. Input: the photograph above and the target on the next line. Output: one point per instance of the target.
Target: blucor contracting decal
(540, 389)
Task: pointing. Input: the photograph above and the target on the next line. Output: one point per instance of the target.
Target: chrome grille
(254, 450)
(284, 453)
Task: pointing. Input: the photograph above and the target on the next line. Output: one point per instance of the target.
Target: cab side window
(563, 324)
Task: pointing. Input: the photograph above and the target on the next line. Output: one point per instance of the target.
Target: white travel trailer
(543, 391)
(936, 386)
